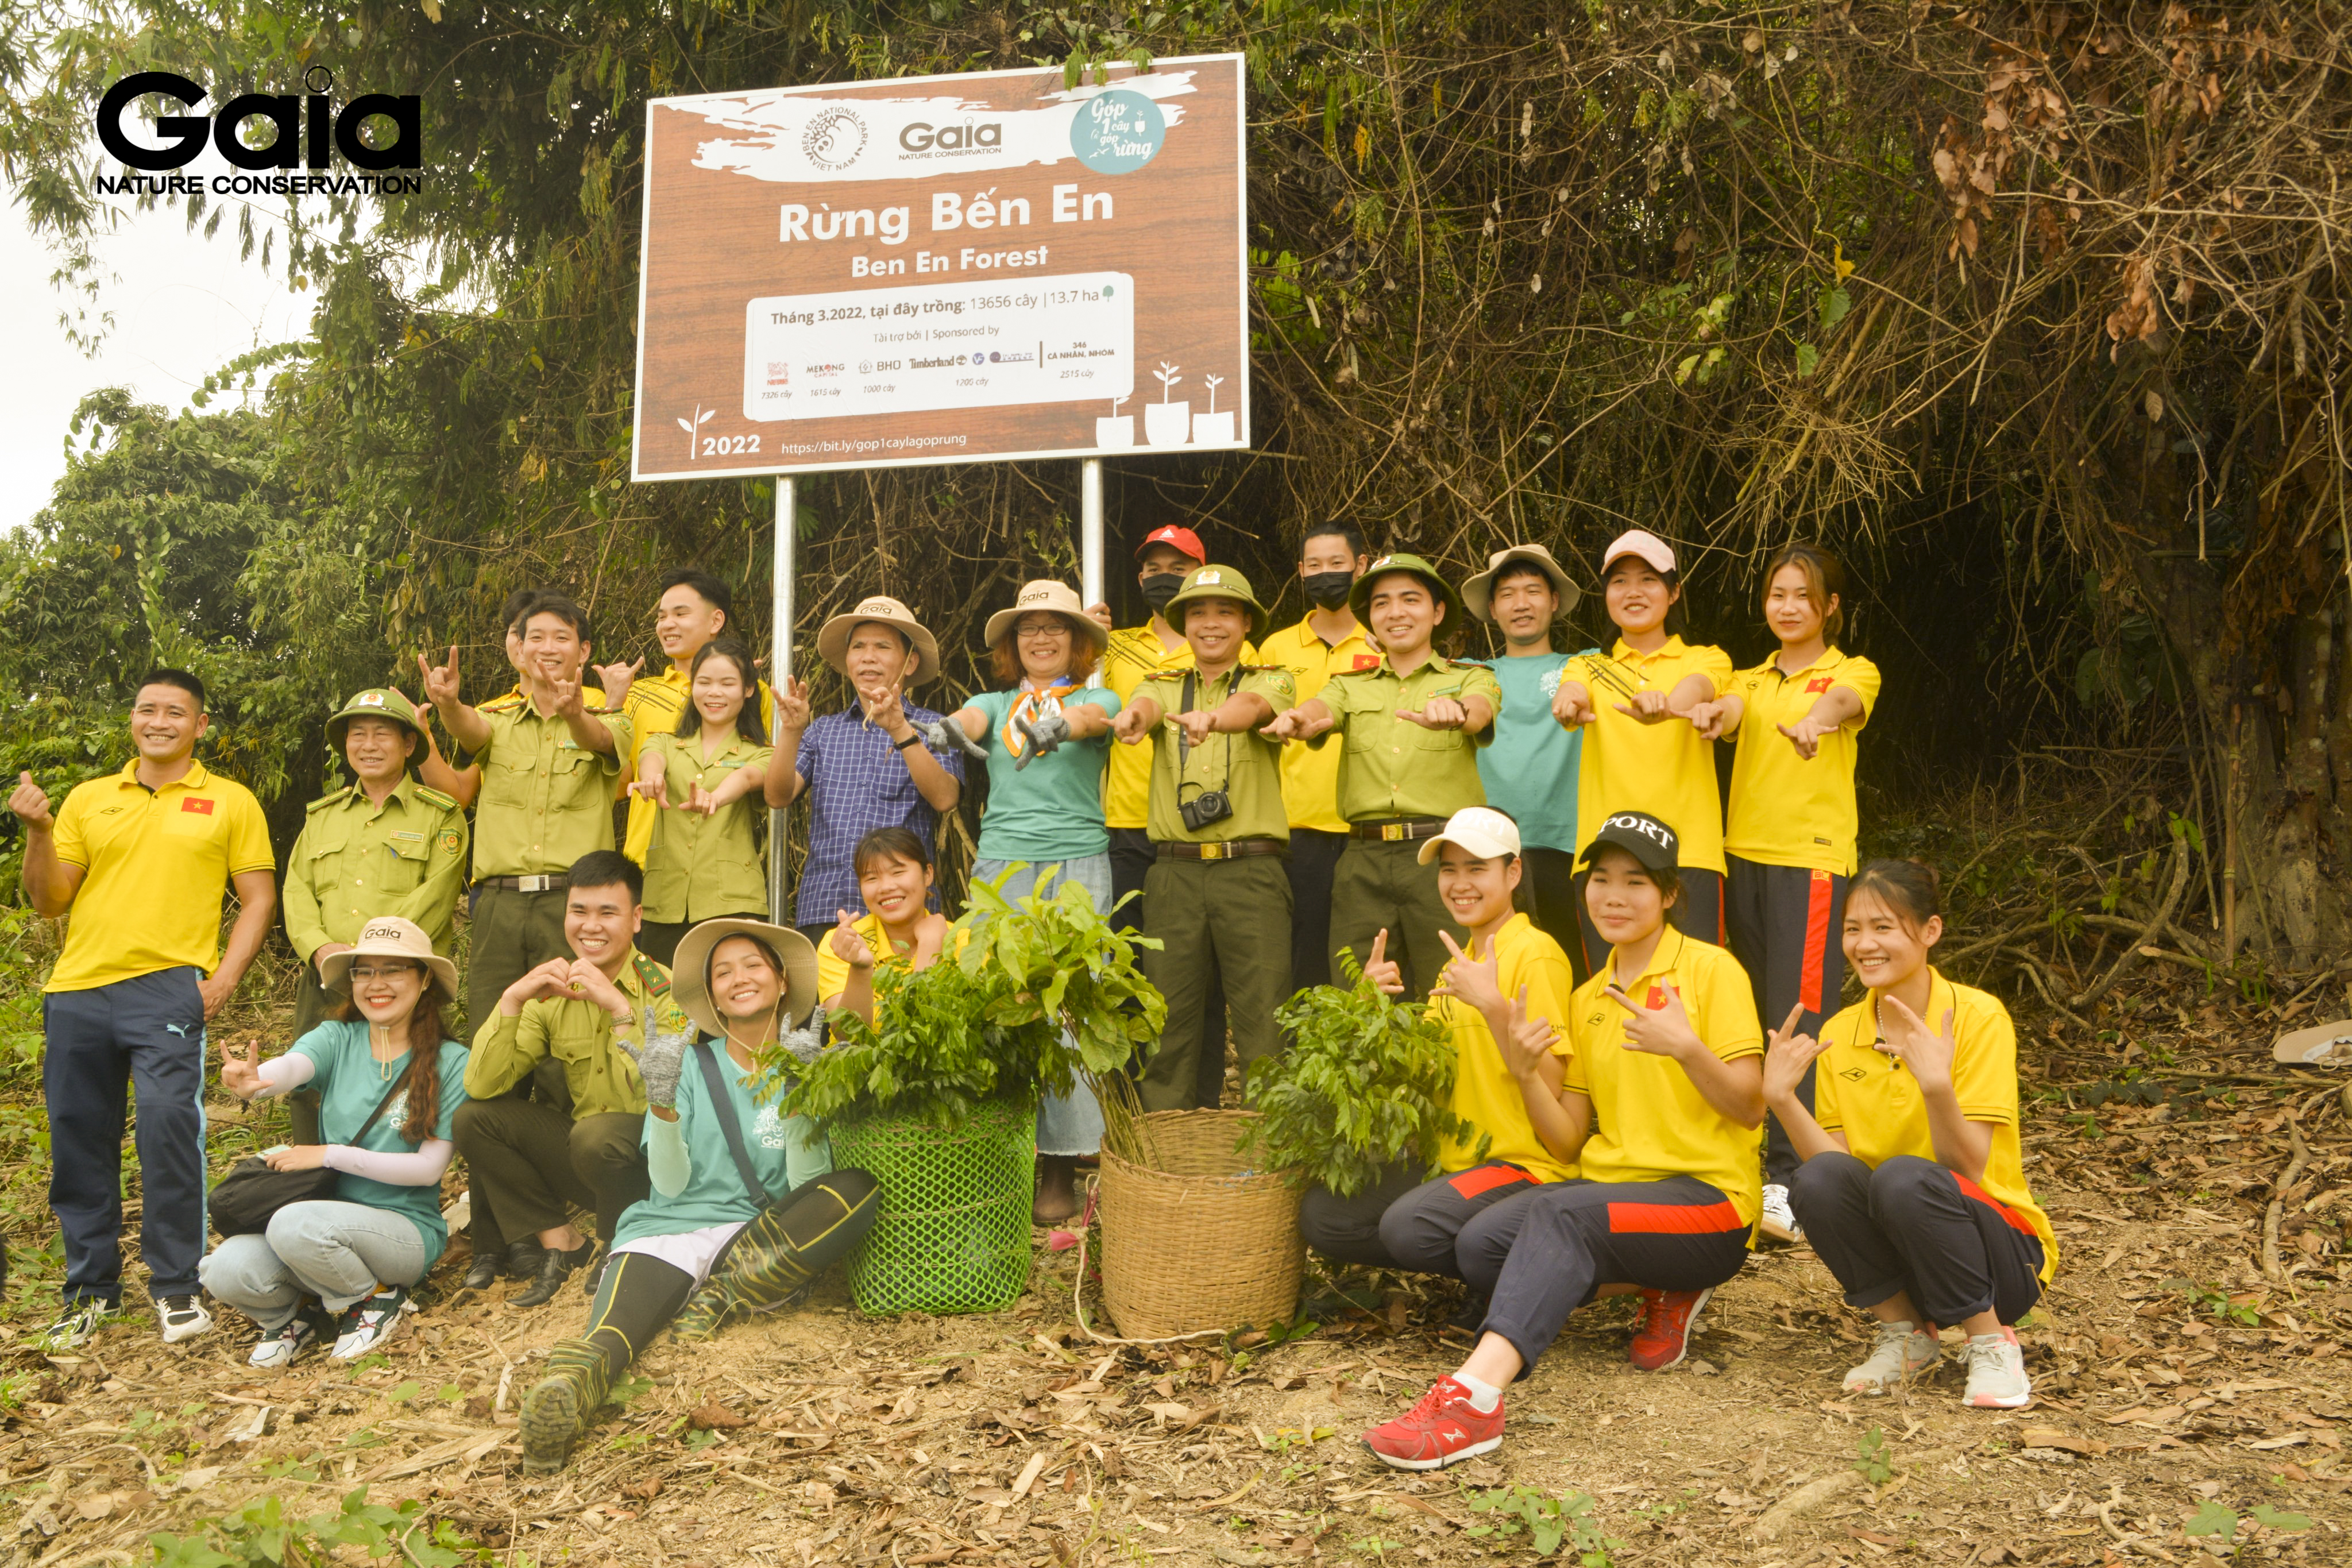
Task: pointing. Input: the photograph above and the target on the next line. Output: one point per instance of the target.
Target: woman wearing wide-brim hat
(1046, 736)
(389, 1081)
(712, 1241)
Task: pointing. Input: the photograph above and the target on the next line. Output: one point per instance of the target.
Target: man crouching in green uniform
(1218, 889)
(1412, 725)
(384, 844)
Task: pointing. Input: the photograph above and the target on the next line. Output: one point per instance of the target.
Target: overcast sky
(184, 306)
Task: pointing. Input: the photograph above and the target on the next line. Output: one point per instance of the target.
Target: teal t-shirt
(1052, 809)
(348, 1082)
(1530, 769)
(785, 1150)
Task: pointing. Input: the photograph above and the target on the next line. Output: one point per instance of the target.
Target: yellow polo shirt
(1786, 811)
(654, 706)
(1310, 778)
(156, 864)
(1867, 1094)
(1486, 1095)
(1664, 768)
(1649, 1121)
(1133, 658)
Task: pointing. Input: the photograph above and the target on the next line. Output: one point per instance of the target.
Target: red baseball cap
(1183, 539)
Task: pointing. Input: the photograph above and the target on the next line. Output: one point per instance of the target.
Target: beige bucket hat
(1477, 595)
(1047, 595)
(689, 976)
(833, 637)
(388, 936)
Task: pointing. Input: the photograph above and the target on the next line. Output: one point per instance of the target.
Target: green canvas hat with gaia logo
(376, 702)
(1216, 583)
(1359, 597)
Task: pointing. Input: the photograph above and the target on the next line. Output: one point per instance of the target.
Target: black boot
(482, 1273)
(525, 1259)
(552, 1273)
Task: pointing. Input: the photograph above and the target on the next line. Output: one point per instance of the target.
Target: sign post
(983, 267)
(780, 666)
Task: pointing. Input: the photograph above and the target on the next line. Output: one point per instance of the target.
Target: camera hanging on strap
(1210, 805)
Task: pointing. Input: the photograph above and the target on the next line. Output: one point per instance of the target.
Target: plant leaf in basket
(1364, 1083)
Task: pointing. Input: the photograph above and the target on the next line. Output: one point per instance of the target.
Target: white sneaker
(369, 1322)
(281, 1349)
(1901, 1352)
(182, 1318)
(75, 1325)
(1780, 1220)
(1997, 1379)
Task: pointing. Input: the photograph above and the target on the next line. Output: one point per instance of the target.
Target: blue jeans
(337, 1251)
(145, 1034)
(1071, 1124)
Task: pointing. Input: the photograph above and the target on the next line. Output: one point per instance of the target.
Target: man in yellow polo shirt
(1326, 643)
(693, 607)
(140, 859)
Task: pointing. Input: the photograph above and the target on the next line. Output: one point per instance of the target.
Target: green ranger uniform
(531, 1159)
(701, 868)
(1398, 783)
(1219, 894)
(546, 801)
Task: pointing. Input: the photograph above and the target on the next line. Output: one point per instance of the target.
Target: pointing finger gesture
(1788, 1054)
(1660, 1031)
(1571, 705)
(1381, 970)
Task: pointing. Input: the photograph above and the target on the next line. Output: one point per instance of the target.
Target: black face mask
(1159, 588)
(1329, 590)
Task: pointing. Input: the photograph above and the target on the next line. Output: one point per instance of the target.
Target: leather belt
(1232, 849)
(1399, 829)
(521, 884)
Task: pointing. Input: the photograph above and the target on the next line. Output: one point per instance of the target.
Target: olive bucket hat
(1216, 583)
(1359, 597)
(376, 702)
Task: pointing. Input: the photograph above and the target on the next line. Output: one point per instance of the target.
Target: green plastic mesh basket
(951, 1233)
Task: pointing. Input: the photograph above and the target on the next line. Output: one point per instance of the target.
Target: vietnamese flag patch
(1368, 661)
(198, 804)
(1658, 997)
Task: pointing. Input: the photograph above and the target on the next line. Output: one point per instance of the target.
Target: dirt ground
(2178, 1388)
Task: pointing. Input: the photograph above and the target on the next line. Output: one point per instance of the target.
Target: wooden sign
(943, 269)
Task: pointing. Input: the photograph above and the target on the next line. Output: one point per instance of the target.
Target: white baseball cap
(1481, 829)
(1641, 543)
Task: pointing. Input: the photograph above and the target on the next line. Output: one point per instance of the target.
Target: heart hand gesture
(30, 804)
(847, 946)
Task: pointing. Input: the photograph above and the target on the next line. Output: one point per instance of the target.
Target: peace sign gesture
(1658, 1031)
(1788, 1054)
(1527, 1043)
(1476, 984)
(440, 682)
(1927, 1053)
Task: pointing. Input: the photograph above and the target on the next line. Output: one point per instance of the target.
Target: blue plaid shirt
(856, 782)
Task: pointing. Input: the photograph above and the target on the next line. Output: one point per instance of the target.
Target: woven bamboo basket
(1202, 1241)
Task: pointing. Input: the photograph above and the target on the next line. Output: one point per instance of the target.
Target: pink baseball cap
(1641, 543)
(1183, 539)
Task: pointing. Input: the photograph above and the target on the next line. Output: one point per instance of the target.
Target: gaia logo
(308, 130)
(834, 138)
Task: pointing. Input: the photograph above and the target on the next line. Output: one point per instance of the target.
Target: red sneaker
(1443, 1429)
(1668, 1318)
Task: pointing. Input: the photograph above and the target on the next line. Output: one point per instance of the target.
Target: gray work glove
(1044, 735)
(807, 1042)
(660, 1061)
(947, 735)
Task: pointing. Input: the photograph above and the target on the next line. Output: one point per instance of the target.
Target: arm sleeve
(666, 1161)
(71, 847)
(1480, 682)
(1825, 1101)
(297, 902)
(433, 904)
(1550, 985)
(422, 1167)
(248, 836)
(1714, 664)
(1101, 697)
(1332, 695)
(1860, 676)
(1984, 1061)
(805, 759)
(284, 1074)
(624, 732)
(1727, 1020)
(505, 1049)
(1277, 686)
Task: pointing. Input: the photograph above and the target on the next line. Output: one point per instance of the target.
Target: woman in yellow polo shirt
(1640, 751)
(1789, 847)
(703, 862)
(1913, 1187)
(893, 865)
(1513, 980)
(1663, 1095)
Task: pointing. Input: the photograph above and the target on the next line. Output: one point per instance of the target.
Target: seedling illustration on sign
(946, 270)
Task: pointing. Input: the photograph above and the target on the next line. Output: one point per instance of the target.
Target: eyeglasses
(1056, 630)
(361, 971)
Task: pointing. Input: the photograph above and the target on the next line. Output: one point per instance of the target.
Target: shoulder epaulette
(655, 978)
(330, 797)
(432, 796)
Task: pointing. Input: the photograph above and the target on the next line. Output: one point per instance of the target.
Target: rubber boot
(774, 1260)
(559, 1405)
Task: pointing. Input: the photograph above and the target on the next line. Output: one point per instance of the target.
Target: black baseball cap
(1639, 835)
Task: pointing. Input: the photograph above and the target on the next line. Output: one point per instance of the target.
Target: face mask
(1159, 588)
(1329, 590)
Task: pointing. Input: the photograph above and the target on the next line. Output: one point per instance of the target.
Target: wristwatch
(914, 738)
